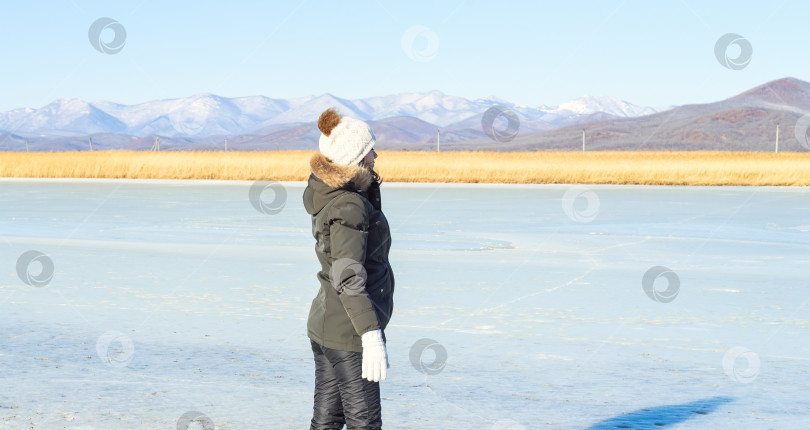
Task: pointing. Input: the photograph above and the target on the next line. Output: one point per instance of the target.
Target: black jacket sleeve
(348, 229)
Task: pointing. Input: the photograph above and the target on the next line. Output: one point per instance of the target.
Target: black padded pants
(341, 395)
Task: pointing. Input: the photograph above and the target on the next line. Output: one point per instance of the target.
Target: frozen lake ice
(170, 299)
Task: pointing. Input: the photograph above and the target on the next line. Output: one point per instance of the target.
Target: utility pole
(226, 143)
(583, 140)
(438, 141)
(26, 145)
(91, 143)
(777, 137)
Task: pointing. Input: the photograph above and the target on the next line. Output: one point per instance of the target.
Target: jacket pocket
(382, 297)
(376, 239)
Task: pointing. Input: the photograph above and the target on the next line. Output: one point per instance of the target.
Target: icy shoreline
(171, 299)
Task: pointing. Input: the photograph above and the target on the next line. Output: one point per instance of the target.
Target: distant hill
(745, 122)
(203, 121)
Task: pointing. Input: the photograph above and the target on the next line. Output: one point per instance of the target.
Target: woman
(355, 300)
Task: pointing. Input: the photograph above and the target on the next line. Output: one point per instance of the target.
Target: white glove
(375, 357)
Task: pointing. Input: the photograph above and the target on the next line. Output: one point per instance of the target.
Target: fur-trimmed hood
(328, 179)
(337, 175)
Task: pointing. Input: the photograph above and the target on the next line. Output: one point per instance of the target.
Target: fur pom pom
(328, 121)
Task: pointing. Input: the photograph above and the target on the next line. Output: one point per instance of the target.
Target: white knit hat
(348, 142)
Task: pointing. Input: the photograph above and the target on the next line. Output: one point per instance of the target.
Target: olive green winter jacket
(352, 241)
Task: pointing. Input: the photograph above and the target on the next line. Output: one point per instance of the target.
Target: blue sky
(647, 52)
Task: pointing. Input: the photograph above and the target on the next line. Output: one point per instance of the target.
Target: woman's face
(369, 160)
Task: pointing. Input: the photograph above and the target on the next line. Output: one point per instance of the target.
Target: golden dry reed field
(598, 167)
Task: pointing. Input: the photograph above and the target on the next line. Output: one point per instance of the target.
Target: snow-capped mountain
(62, 116)
(592, 104)
(203, 115)
(434, 107)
